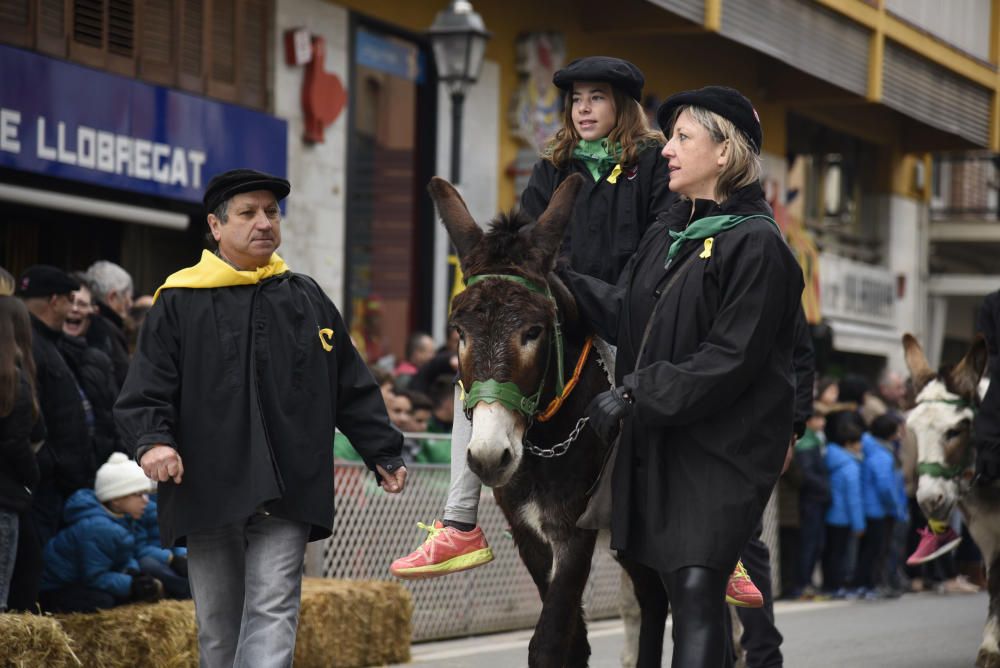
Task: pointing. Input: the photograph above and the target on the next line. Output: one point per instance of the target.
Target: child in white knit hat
(93, 562)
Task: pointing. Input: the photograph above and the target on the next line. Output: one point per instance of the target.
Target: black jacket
(68, 455)
(713, 392)
(96, 374)
(608, 219)
(986, 426)
(18, 468)
(241, 381)
(107, 334)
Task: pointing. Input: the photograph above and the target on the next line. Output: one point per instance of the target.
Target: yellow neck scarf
(214, 272)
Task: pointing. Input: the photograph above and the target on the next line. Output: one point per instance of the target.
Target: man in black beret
(66, 462)
(243, 369)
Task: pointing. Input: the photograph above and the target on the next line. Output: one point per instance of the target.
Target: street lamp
(458, 37)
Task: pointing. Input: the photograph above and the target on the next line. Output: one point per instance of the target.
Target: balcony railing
(966, 188)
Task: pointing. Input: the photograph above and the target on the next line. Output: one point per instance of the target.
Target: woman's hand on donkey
(606, 410)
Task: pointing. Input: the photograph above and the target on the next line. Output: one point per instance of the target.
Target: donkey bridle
(937, 469)
(508, 393)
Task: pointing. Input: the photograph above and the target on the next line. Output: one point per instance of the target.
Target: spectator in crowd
(845, 518)
(419, 351)
(166, 564)
(892, 390)
(236, 427)
(93, 369)
(881, 496)
(18, 468)
(92, 563)
(112, 291)
(67, 461)
(432, 450)
(814, 497)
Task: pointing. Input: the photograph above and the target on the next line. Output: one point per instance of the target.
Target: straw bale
(351, 623)
(146, 635)
(34, 640)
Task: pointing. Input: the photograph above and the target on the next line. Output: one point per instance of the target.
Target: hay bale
(352, 623)
(147, 635)
(34, 640)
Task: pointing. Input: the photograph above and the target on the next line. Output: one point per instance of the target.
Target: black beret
(236, 181)
(619, 73)
(43, 280)
(726, 102)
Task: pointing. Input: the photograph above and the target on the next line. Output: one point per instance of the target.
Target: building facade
(99, 100)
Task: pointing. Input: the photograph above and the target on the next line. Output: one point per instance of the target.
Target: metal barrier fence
(373, 528)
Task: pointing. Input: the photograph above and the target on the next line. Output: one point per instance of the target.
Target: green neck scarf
(596, 157)
(704, 228)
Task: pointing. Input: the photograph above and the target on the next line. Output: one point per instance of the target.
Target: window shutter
(121, 32)
(223, 54)
(103, 34)
(253, 63)
(17, 22)
(51, 28)
(191, 59)
(158, 31)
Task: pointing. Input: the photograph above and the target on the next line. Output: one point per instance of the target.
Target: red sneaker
(446, 550)
(741, 591)
(933, 545)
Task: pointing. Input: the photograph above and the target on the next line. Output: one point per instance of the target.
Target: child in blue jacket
(93, 562)
(845, 518)
(881, 501)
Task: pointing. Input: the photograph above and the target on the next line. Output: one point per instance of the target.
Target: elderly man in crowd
(242, 371)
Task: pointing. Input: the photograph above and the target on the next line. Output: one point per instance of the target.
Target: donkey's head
(941, 422)
(505, 320)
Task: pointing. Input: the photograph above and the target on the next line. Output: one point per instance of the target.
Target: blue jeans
(8, 552)
(246, 579)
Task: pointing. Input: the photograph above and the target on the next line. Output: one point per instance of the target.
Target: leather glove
(179, 565)
(145, 588)
(987, 462)
(606, 411)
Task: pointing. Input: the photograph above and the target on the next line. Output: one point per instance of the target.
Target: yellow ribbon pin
(613, 176)
(326, 338)
(707, 252)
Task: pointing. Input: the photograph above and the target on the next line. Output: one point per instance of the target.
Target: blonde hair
(743, 166)
(631, 130)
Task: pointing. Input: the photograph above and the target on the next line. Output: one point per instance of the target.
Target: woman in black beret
(703, 318)
(606, 137)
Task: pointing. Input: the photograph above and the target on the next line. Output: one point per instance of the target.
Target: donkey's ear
(548, 233)
(462, 228)
(967, 373)
(916, 362)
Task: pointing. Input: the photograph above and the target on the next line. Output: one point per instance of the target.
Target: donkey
(517, 323)
(941, 421)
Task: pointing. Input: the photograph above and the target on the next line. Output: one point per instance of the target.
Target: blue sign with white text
(73, 122)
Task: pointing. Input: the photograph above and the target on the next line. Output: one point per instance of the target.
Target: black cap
(236, 181)
(619, 73)
(726, 102)
(43, 280)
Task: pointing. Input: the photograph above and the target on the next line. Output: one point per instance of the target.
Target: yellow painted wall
(670, 63)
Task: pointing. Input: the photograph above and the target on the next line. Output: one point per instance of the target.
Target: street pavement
(916, 631)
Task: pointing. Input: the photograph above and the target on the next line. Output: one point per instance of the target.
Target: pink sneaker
(741, 591)
(446, 550)
(933, 545)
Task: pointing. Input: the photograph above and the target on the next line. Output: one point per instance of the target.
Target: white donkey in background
(941, 421)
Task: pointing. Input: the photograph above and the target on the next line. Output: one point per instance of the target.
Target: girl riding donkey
(607, 138)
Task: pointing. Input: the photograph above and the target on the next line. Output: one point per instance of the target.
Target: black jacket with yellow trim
(248, 382)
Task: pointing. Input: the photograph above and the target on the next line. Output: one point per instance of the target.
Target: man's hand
(392, 482)
(162, 463)
(789, 456)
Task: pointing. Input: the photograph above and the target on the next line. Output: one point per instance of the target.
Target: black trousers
(698, 603)
(23, 596)
(871, 572)
(761, 638)
(838, 541)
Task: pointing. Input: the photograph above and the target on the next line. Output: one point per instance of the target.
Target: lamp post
(458, 37)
